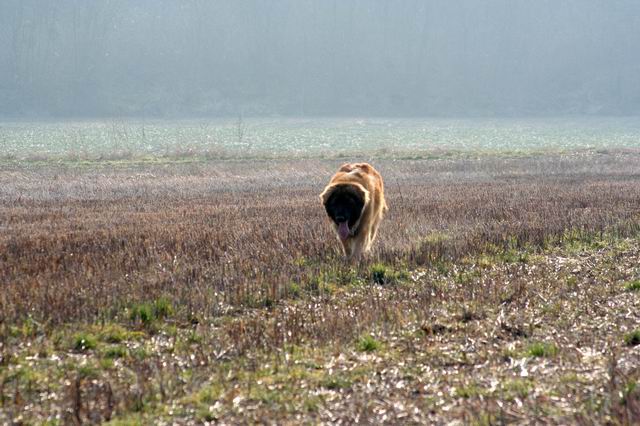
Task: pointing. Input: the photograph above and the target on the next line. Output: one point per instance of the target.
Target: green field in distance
(310, 137)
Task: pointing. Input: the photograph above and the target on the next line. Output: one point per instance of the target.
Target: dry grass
(485, 269)
(81, 245)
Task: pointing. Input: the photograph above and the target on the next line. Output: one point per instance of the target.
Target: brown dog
(354, 201)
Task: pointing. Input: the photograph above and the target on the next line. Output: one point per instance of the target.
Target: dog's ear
(346, 167)
(324, 197)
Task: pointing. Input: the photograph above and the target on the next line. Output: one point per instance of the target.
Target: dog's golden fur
(362, 179)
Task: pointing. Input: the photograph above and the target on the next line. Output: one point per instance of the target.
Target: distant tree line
(171, 58)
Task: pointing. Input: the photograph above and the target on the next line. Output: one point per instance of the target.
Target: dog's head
(344, 204)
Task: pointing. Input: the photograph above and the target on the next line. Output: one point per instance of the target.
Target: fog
(199, 58)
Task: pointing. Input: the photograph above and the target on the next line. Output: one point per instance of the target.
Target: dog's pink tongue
(343, 230)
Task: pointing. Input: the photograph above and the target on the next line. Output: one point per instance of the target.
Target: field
(205, 285)
(262, 138)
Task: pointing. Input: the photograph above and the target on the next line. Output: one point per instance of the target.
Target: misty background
(198, 58)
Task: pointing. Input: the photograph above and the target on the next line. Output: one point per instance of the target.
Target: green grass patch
(321, 284)
(511, 251)
(436, 238)
(147, 313)
(209, 394)
(379, 273)
(29, 328)
(106, 363)
(293, 290)
(632, 286)
(468, 391)
(129, 420)
(88, 372)
(139, 353)
(516, 388)
(82, 342)
(382, 274)
(114, 352)
(336, 382)
(578, 240)
(327, 281)
(142, 312)
(162, 308)
(542, 350)
(115, 333)
(633, 338)
(485, 418)
(257, 301)
(367, 344)
(465, 277)
(194, 338)
(630, 392)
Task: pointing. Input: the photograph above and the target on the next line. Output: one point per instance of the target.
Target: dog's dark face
(344, 206)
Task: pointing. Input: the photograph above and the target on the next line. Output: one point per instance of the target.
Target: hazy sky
(161, 58)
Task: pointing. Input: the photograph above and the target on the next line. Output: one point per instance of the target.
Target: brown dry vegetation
(496, 292)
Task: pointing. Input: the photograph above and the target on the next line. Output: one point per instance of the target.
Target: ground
(502, 289)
